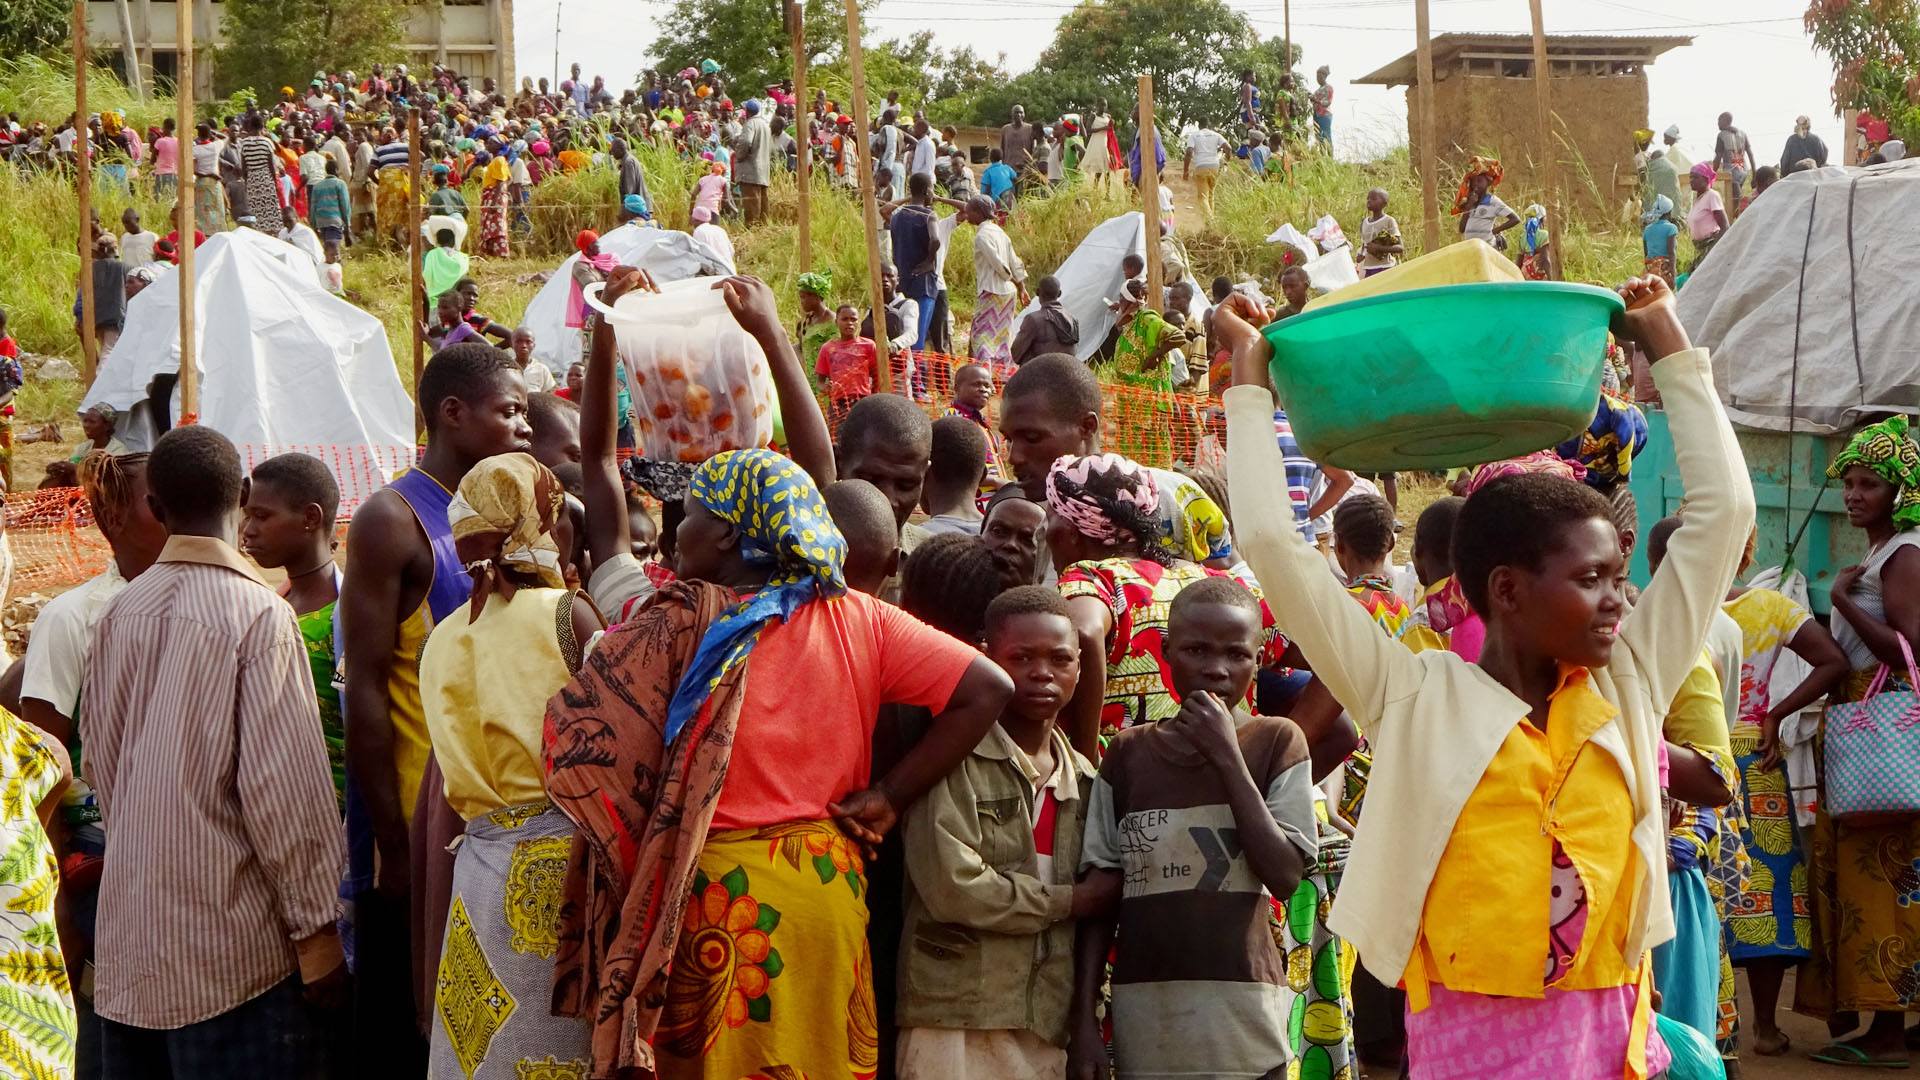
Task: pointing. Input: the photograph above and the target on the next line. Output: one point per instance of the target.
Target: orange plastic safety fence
(53, 539)
(1150, 426)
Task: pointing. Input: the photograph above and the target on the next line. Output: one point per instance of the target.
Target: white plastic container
(699, 382)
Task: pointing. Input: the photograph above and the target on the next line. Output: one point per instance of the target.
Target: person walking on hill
(1205, 151)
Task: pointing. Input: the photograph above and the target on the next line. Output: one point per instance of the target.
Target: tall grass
(43, 89)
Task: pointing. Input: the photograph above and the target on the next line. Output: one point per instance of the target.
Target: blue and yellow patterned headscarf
(1889, 451)
(784, 526)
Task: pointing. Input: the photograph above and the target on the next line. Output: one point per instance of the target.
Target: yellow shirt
(485, 686)
(1484, 928)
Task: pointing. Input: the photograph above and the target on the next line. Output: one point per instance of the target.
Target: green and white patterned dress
(37, 1027)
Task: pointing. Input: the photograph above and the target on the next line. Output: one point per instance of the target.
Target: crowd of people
(925, 748)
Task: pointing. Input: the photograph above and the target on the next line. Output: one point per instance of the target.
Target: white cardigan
(1435, 721)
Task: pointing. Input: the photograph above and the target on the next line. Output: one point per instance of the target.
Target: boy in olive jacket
(986, 959)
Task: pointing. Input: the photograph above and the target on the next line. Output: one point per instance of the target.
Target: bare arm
(1691, 779)
(605, 497)
(973, 708)
(1339, 482)
(1814, 644)
(1900, 588)
(1207, 723)
(809, 442)
(1093, 943)
(43, 715)
(1093, 624)
(386, 540)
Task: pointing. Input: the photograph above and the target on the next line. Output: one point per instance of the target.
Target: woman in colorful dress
(485, 676)
(1770, 928)
(739, 854)
(38, 1026)
(261, 169)
(495, 183)
(1118, 572)
(1865, 876)
(815, 326)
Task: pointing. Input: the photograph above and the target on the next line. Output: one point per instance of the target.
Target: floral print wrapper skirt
(771, 975)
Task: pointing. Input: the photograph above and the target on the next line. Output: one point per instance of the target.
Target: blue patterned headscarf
(784, 526)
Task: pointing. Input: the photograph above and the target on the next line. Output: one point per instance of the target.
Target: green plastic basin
(1441, 377)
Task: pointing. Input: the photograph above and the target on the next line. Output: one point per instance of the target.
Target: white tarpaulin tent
(1091, 276)
(667, 254)
(1807, 302)
(284, 365)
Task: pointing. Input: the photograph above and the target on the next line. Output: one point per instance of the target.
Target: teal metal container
(1441, 377)
(1790, 486)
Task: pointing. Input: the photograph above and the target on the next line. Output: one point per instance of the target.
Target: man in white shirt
(136, 247)
(1202, 164)
(924, 149)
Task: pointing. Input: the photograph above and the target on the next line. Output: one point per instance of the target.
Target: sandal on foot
(1852, 1056)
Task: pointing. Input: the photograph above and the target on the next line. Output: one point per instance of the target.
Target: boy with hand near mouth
(1202, 819)
(991, 852)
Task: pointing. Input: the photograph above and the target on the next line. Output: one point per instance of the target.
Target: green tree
(31, 27)
(272, 43)
(1194, 49)
(1047, 94)
(1875, 48)
(748, 39)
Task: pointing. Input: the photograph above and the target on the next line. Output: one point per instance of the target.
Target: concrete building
(1485, 102)
(474, 37)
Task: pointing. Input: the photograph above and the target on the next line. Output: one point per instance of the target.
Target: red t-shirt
(815, 684)
(848, 367)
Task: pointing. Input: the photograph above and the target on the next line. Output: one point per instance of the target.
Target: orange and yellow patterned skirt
(771, 975)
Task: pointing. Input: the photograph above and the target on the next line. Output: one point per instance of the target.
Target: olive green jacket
(988, 945)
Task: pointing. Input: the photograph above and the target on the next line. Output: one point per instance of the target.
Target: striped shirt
(203, 742)
(1301, 473)
(392, 155)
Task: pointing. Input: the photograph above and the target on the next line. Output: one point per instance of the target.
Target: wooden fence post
(1150, 192)
(1549, 170)
(797, 12)
(883, 383)
(1429, 162)
(418, 290)
(183, 217)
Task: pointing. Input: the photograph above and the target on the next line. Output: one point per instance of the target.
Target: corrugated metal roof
(1569, 46)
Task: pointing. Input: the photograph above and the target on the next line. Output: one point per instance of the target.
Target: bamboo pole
(183, 219)
(797, 13)
(1423, 106)
(883, 383)
(418, 292)
(1543, 88)
(1150, 192)
(83, 185)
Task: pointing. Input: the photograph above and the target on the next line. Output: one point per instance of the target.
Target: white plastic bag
(699, 382)
(1327, 233)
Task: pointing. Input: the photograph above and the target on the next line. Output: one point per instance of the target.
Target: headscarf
(1705, 171)
(1606, 447)
(441, 168)
(1193, 527)
(1802, 126)
(635, 204)
(585, 240)
(702, 215)
(709, 67)
(541, 148)
(664, 480)
(1478, 166)
(497, 173)
(1893, 150)
(1536, 217)
(1662, 206)
(819, 283)
(1540, 461)
(1127, 506)
(1673, 131)
(1888, 449)
(107, 412)
(502, 518)
(784, 527)
(752, 107)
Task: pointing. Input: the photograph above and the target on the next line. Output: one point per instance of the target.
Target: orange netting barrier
(55, 543)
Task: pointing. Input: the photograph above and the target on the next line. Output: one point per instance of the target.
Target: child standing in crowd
(1363, 535)
(972, 390)
(1380, 245)
(1200, 819)
(847, 364)
(287, 524)
(991, 852)
(1500, 791)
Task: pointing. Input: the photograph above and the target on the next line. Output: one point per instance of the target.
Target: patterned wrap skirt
(771, 976)
(991, 337)
(491, 1008)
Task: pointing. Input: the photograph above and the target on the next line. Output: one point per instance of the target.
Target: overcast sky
(1750, 57)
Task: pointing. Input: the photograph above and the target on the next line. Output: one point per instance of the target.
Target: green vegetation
(33, 26)
(1875, 47)
(272, 43)
(38, 235)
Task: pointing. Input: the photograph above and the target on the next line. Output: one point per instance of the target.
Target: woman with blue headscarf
(714, 754)
(1660, 238)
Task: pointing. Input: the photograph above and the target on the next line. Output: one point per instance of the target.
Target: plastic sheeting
(667, 254)
(1807, 301)
(284, 365)
(1091, 276)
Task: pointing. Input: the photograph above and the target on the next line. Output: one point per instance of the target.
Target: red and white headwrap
(1108, 499)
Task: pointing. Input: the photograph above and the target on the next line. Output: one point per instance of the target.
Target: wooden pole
(1150, 192)
(1543, 89)
(418, 293)
(797, 13)
(1423, 105)
(183, 219)
(1286, 13)
(83, 184)
(884, 382)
